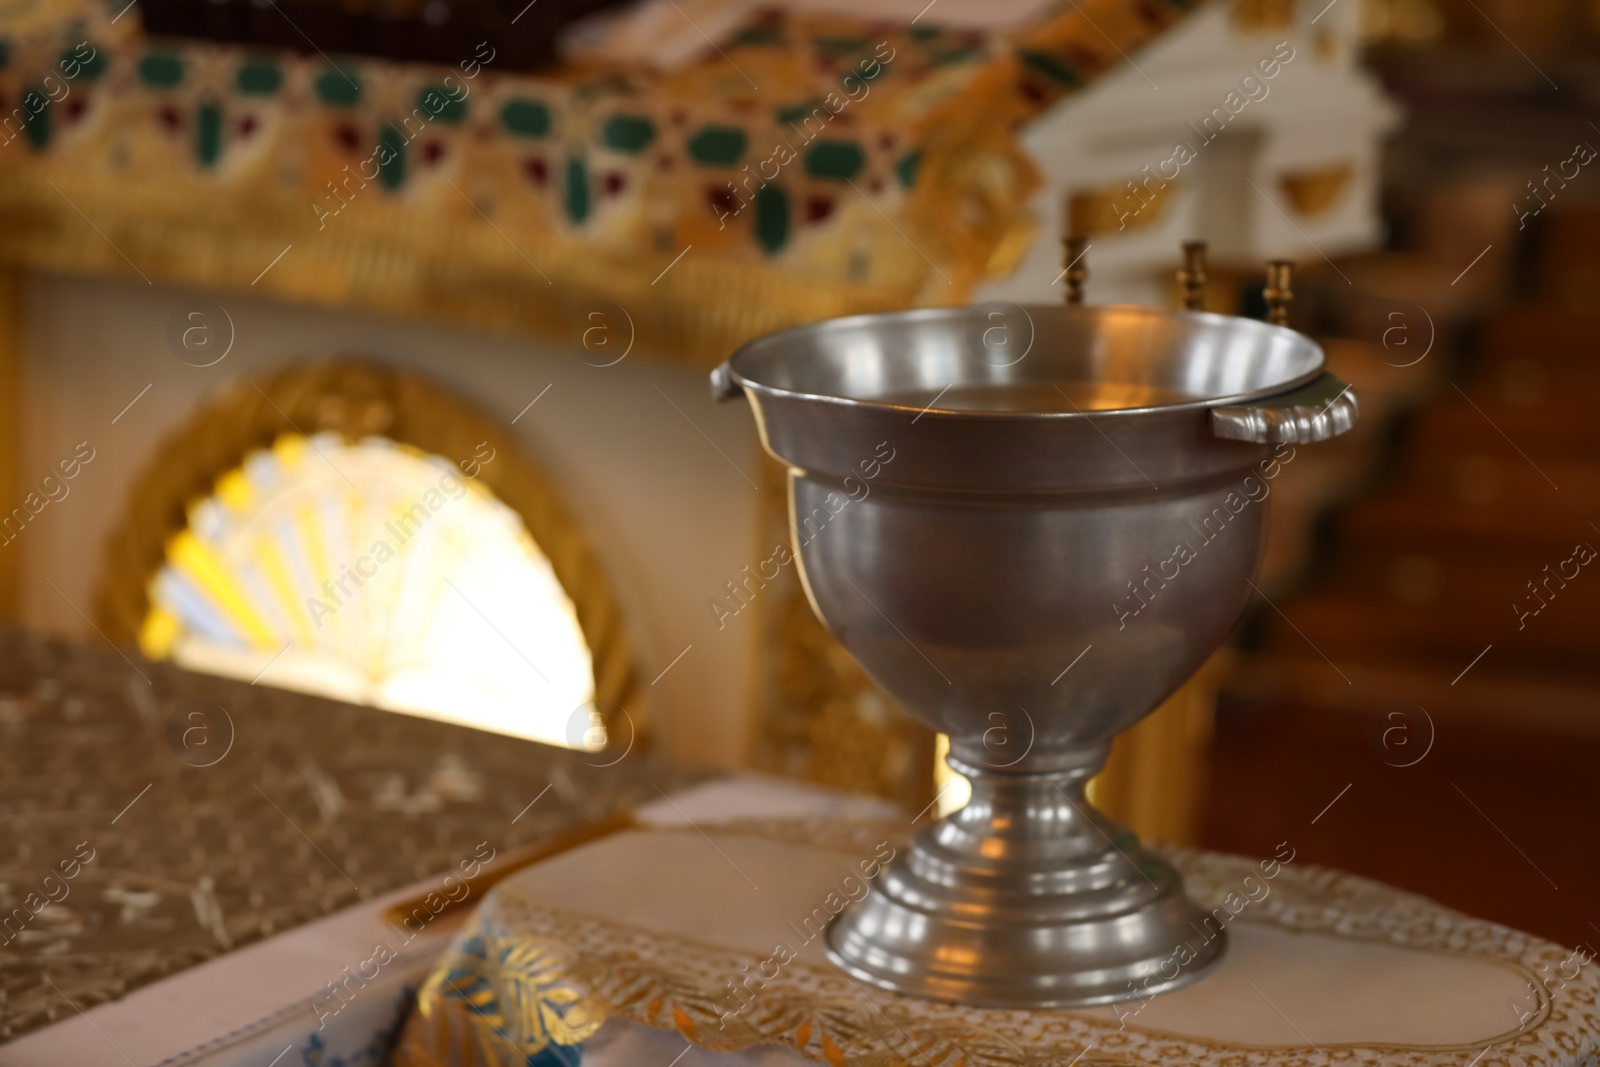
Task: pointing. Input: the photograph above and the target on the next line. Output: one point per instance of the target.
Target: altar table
(625, 951)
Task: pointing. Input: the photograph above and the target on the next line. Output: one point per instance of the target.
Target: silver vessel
(1065, 528)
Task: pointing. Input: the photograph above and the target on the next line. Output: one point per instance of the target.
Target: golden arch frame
(357, 398)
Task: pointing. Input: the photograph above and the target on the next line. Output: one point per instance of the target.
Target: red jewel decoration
(169, 117)
(886, 141)
(819, 208)
(247, 126)
(722, 201)
(1084, 59)
(76, 106)
(614, 182)
(535, 169)
(664, 162)
(1151, 13)
(346, 135)
(876, 185)
(432, 152)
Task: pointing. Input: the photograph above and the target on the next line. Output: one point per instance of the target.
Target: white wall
(670, 518)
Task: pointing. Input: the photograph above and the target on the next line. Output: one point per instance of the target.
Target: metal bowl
(1031, 525)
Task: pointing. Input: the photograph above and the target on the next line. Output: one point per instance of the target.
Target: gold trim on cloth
(527, 973)
(809, 166)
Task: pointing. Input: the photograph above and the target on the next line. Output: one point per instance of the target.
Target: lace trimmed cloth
(664, 939)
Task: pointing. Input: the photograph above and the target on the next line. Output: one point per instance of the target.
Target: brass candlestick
(1279, 290)
(1076, 272)
(1192, 278)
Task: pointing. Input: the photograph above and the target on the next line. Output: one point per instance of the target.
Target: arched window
(374, 567)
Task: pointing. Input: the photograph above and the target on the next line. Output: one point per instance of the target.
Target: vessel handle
(723, 387)
(1325, 408)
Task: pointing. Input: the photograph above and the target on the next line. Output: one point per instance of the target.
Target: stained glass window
(374, 573)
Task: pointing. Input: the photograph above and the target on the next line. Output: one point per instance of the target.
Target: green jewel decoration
(1051, 67)
(37, 124)
(208, 134)
(442, 105)
(906, 169)
(628, 133)
(838, 160)
(717, 146)
(259, 77)
(758, 36)
(392, 173)
(577, 190)
(526, 118)
(840, 46)
(795, 112)
(772, 218)
(336, 89)
(161, 70)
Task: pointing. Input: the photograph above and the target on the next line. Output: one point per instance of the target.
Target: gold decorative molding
(1313, 192)
(1116, 208)
(356, 399)
(397, 259)
(1260, 16)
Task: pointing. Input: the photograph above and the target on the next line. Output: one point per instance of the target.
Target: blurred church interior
(361, 482)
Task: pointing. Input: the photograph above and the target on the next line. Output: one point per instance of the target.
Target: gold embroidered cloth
(808, 165)
(664, 929)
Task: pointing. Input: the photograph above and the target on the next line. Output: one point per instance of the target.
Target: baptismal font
(1069, 529)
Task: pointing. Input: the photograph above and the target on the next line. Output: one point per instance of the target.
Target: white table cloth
(633, 950)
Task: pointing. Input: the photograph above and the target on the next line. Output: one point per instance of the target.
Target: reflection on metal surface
(1325, 408)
